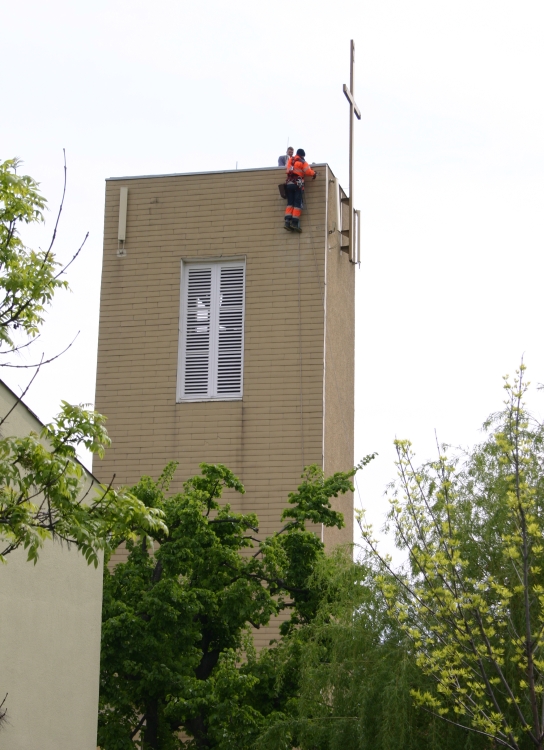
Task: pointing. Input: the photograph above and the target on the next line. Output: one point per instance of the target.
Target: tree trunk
(151, 734)
(197, 728)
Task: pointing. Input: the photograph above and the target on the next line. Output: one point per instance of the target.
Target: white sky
(449, 172)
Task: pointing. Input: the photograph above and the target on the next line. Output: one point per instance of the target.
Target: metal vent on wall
(212, 331)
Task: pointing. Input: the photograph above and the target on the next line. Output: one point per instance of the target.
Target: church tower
(225, 338)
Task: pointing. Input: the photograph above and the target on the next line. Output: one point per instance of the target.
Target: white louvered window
(211, 344)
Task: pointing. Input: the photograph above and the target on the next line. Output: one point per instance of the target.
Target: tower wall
(339, 373)
(297, 405)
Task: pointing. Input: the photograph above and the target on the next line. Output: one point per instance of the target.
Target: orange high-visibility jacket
(297, 169)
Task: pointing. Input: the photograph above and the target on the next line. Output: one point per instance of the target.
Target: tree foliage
(176, 650)
(46, 493)
(42, 485)
(346, 677)
(446, 651)
(28, 278)
(472, 601)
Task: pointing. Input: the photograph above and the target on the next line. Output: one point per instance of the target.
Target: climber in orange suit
(297, 169)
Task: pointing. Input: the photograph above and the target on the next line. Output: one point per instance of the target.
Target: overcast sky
(449, 173)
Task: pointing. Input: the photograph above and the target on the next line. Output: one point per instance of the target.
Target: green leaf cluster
(178, 665)
(472, 599)
(28, 278)
(348, 674)
(45, 493)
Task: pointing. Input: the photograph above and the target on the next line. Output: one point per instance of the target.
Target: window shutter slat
(197, 332)
(231, 328)
(211, 353)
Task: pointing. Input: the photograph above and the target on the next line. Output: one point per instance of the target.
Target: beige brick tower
(224, 338)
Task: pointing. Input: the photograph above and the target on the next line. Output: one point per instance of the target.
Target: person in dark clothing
(297, 169)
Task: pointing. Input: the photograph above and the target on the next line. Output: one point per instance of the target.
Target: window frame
(213, 263)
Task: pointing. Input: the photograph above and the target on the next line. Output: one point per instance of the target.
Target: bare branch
(60, 208)
(47, 361)
(63, 270)
(3, 712)
(23, 346)
(23, 394)
(139, 725)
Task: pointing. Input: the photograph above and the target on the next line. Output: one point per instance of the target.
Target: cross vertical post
(353, 110)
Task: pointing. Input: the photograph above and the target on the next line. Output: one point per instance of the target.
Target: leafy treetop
(28, 278)
(177, 612)
(472, 600)
(44, 491)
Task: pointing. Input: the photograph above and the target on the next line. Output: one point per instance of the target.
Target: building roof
(218, 171)
(18, 402)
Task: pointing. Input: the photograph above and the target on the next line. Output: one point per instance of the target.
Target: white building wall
(50, 615)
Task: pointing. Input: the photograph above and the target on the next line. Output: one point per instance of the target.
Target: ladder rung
(345, 232)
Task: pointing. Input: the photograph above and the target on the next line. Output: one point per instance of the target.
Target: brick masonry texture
(297, 405)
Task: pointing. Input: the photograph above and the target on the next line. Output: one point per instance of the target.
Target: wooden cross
(353, 110)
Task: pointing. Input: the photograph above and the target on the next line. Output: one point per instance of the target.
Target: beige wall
(50, 616)
(339, 363)
(278, 427)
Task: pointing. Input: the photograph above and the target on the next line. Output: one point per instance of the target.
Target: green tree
(349, 673)
(472, 599)
(29, 278)
(42, 485)
(176, 644)
(45, 492)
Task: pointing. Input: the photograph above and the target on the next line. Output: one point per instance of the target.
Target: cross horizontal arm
(351, 100)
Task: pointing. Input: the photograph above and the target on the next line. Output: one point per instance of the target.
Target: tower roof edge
(217, 171)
